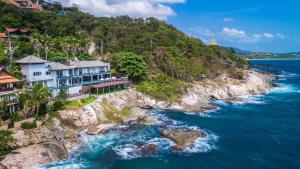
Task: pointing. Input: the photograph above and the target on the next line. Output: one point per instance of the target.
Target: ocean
(263, 132)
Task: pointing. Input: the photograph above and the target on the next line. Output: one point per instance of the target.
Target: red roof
(11, 2)
(3, 35)
(16, 30)
(24, 30)
(11, 30)
(6, 77)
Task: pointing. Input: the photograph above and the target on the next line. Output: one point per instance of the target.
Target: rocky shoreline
(58, 137)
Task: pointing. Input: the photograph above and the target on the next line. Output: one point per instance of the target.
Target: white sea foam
(201, 114)
(250, 99)
(66, 164)
(164, 119)
(127, 151)
(284, 88)
(204, 144)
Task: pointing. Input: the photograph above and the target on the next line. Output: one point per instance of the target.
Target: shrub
(58, 105)
(5, 138)
(28, 125)
(16, 116)
(54, 113)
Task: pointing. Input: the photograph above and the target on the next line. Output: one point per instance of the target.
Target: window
(37, 73)
(59, 73)
(48, 73)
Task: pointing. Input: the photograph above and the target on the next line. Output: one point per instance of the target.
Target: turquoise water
(262, 132)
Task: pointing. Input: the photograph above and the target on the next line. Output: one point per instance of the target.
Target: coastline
(91, 118)
(276, 59)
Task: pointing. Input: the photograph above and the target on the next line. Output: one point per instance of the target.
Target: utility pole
(10, 50)
(101, 47)
(151, 43)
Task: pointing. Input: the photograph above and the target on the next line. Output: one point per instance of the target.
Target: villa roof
(3, 35)
(58, 66)
(84, 64)
(6, 77)
(31, 60)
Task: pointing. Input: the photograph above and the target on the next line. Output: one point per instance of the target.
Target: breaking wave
(285, 88)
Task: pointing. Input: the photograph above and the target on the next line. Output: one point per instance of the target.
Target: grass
(163, 87)
(77, 104)
(112, 114)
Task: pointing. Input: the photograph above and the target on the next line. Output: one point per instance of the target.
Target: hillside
(152, 52)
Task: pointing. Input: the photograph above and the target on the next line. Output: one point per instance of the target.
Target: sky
(253, 25)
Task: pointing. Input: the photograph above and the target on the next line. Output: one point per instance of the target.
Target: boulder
(34, 156)
(100, 129)
(149, 120)
(148, 149)
(183, 138)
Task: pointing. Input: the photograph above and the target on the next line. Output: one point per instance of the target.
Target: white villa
(76, 77)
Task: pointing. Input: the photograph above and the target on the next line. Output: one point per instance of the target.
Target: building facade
(7, 91)
(76, 77)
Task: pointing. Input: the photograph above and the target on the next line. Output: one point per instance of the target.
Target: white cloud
(228, 19)
(268, 35)
(134, 8)
(203, 31)
(240, 36)
(234, 33)
(280, 35)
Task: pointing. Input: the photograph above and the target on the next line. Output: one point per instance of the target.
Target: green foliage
(5, 139)
(16, 71)
(3, 109)
(162, 87)
(16, 116)
(4, 59)
(63, 95)
(57, 56)
(29, 125)
(133, 65)
(40, 95)
(58, 105)
(77, 104)
(54, 113)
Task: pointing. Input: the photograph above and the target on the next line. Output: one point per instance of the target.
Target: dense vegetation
(150, 51)
(5, 139)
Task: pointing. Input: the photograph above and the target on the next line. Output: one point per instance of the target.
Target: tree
(65, 44)
(26, 103)
(4, 59)
(47, 43)
(3, 109)
(40, 95)
(36, 42)
(133, 65)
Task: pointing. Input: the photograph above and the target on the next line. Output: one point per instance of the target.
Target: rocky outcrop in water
(183, 138)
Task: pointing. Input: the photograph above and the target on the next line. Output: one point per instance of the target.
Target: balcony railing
(82, 74)
(7, 89)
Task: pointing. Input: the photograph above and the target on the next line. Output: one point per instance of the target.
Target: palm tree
(36, 42)
(40, 95)
(65, 44)
(3, 109)
(26, 103)
(47, 44)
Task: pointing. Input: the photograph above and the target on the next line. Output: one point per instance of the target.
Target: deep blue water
(261, 133)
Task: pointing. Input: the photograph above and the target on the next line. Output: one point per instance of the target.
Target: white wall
(75, 90)
(37, 68)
